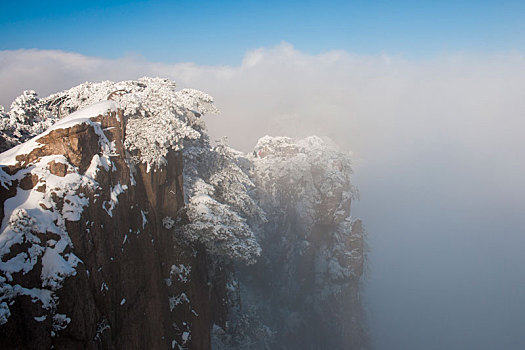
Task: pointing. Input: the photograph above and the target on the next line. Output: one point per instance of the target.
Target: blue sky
(220, 32)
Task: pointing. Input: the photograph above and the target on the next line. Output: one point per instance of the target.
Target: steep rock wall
(132, 282)
(305, 287)
(122, 227)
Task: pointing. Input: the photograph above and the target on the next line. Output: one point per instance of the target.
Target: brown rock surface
(119, 297)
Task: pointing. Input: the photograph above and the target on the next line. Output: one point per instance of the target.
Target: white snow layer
(83, 116)
(32, 216)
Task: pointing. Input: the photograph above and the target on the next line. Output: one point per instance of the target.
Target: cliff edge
(122, 227)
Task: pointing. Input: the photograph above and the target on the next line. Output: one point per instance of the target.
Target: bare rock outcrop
(103, 271)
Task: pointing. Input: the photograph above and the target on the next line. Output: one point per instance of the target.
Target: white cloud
(384, 107)
(388, 110)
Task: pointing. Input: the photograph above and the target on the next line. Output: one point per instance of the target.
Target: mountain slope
(122, 227)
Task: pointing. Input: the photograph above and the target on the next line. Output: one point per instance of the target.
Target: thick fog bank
(439, 159)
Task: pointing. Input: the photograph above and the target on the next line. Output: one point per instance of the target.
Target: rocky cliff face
(122, 227)
(303, 291)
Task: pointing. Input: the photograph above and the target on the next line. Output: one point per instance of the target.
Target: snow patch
(181, 272)
(55, 268)
(144, 220)
(177, 300)
(114, 193)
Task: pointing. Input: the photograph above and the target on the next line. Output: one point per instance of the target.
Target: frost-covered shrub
(309, 176)
(232, 183)
(25, 120)
(162, 118)
(220, 204)
(158, 118)
(312, 249)
(220, 228)
(24, 108)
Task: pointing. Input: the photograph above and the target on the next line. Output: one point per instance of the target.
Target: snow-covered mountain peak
(121, 225)
(158, 117)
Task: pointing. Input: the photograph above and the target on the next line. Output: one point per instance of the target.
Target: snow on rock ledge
(158, 118)
(44, 184)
